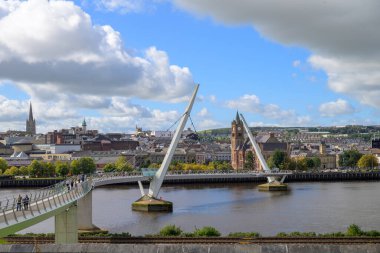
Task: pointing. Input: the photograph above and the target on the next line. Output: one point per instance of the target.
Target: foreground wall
(189, 248)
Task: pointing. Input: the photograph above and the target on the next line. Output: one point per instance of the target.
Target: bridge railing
(114, 175)
(12, 210)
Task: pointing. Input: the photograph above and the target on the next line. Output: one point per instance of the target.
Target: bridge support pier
(85, 214)
(274, 185)
(66, 226)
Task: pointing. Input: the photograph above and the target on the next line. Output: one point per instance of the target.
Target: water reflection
(319, 207)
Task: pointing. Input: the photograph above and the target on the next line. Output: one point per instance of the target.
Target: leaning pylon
(150, 202)
(273, 184)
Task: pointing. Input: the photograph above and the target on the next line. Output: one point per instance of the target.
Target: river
(318, 207)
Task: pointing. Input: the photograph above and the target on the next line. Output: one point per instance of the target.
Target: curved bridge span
(72, 206)
(109, 179)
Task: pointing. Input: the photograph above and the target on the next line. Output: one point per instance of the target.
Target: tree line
(40, 169)
(348, 159)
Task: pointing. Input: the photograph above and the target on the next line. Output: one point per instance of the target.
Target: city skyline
(122, 63)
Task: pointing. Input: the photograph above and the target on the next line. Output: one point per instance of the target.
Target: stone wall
(189, 248)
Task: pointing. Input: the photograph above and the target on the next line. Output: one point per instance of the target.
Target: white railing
(39, 202)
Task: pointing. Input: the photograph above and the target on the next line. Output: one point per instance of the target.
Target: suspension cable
(195, 130)
(175, 122)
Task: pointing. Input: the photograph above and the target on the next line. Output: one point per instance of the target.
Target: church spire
(31, 123)
(30, 111)
(237, 117)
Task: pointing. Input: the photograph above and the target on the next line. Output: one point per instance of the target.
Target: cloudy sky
(121, 63)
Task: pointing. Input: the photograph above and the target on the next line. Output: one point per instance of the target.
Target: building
(268, 145)
(328, 161)
(238, 145)
(375, 143)
(31, 122)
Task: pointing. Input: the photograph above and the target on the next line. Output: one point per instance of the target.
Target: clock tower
(237, 143)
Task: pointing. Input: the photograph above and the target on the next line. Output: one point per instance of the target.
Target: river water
(318, 207)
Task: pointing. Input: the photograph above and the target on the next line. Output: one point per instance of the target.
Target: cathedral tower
(31, 122)
(84, 126)
(237, 141)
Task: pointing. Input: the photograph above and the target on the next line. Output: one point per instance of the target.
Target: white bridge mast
(158, 178)
(257, 149)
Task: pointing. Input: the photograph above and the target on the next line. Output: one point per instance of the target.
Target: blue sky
(274, 66)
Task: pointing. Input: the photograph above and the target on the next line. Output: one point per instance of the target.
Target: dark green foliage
(62, 168)
(336, 234)
(372, 233)
(354, 230)
(244, 234)
(109, 167)
(349, 158)
(170, 230)
(249, 160)
(3, 165)
(206, 231)
(84, 165)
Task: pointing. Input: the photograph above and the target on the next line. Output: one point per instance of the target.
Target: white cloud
(334, 108)
(251, 103)
(122, 6)
(248, 103)
(12, 110)
(296, 63)
(63, 51)
(209, 124)
(203, 112)
(342, 35)
(213, 98)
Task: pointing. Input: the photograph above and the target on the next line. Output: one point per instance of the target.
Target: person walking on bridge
(26, 202)
(18, 205)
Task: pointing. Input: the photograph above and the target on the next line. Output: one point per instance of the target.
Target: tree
(349, 158)
(75, 167)
(367, 161)
(62, 168)
(122, 164)
(317, 162)
(109, 167)
(84, 165)
(3, 165)
(24, 171)
(277, 159)
(35, 169)
(12, 171)
(49, 169)
(249, 160)
(309, 163)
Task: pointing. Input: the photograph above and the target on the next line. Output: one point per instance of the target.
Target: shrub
(206, 231)
(354, 230)
(186, 234)
(282, 234)
(244, 234)
(170, 230)
(372, 233)
(336, 234)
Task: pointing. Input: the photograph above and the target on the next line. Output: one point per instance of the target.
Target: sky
(122, 63)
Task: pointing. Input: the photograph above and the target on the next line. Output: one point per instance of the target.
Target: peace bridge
(72, 206)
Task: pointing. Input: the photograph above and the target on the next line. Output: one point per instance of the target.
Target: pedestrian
(68, 185)
(72, 183)
(26, 202)
(19, 199)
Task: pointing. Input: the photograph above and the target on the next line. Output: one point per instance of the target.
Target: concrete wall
(189, 248)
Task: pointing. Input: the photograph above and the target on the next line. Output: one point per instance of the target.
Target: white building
(162, 134)
(58, 148)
